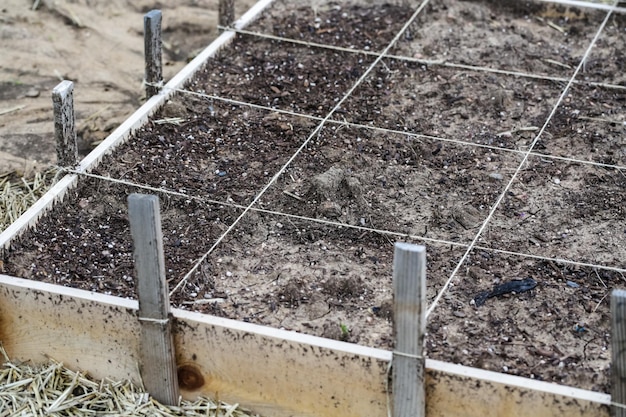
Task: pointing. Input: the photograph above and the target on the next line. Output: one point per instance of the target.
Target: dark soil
(418, 152)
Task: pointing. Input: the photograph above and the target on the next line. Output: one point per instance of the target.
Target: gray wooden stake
(618, 351)
(153, 52)
(226, 12)
(409, 291)
(64, 124)
(158, 359)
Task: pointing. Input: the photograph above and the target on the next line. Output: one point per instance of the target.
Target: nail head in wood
(409, 289)
(618, 351)
(158, 356)
(64, 124)
(153, 52)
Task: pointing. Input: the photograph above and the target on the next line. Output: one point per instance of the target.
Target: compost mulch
(420, 152)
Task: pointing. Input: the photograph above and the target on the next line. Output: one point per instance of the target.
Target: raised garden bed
(283, 212)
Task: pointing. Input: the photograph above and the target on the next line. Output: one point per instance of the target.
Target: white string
(407, 355)
(440, 62)
(158, 321)
(519, 168)
(409, 134)
(395, 131)
(205, 200)
(303, 146)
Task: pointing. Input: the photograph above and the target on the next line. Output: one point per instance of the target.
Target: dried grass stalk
(18, 194)
(56, 391)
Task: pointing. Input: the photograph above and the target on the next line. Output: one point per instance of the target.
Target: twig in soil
(557, 63)
(519, 129)
(598, 275)
(35, 5)
(601, 119)
(170, 120)
(552, 25)
(292, 195)
(12, 109)
(600, 302)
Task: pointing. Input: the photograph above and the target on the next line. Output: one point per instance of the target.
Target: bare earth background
(99, 46)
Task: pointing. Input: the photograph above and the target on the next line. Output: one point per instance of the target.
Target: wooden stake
(618, 351)
(152, 52)
(158, 363)
(64, 124)
(409, 289)
(226, 12)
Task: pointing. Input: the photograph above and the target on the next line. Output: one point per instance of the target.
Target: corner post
(64, 124)
(618, 351)
(153, 52)
(158, 358)
(409, 291)
(226, 12)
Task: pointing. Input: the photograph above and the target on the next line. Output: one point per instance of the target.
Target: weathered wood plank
(64, 124)
(268, 370)
(158, 359)
(409, 307)
(84, 330)
(226, 12)
(618, 350)
(153, 52)
(460, 391)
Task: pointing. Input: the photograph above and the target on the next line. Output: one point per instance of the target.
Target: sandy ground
(99, 46)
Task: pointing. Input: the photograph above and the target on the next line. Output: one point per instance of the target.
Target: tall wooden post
(158, 359)
(64, 124)
(618, 351)
(226, 12)
(153, 52)
(409, 292)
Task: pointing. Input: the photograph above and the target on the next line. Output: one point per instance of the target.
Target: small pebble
(496, 176)
(572, 284)
(32, 93)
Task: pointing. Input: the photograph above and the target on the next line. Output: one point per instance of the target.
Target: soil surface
(99, 46)
(272, 217)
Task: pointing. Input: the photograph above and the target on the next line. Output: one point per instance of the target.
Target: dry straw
(53, 390)
(17, 194)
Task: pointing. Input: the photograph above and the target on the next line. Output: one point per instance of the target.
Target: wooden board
(274, 372)
(455, 391)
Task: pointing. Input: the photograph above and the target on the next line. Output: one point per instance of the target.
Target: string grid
(327, 120)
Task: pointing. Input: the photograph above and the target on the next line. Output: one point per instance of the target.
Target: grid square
(394, 182)
(209, 149)
(86, 242)
(485, 108)
(348, 24)
(530, 37)
(558, 332)
(564, 210)
(590, 124)
(294, 76)
(607, 61)
(305, 269)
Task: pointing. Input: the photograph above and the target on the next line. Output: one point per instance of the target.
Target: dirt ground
(99, 46)
(418, 151)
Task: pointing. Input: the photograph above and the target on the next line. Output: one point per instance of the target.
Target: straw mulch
(17, 194)
(53, 390)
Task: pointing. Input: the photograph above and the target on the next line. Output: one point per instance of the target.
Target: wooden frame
(273, 372)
